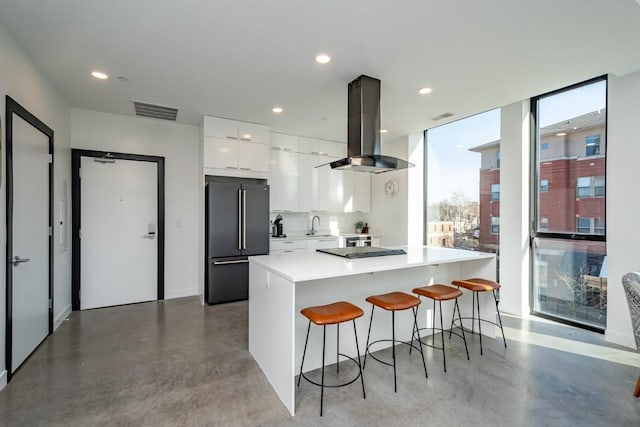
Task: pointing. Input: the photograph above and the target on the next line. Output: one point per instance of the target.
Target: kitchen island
(280, 285)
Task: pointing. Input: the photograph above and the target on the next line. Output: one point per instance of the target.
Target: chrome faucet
(313, 229)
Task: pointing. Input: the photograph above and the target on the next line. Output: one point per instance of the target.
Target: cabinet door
(361, 192)
(253, 157)
(318, 147)
(347, 201)
(251, 132)
(219, 127)
(314, 244)
(220, 153)
(314, 183)
(290, 169)
(275, 181)
(338, 185)
(283, 141)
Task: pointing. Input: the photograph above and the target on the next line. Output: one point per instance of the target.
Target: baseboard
(3, 379)
(60, 317)
(620, 339)
(179, 293)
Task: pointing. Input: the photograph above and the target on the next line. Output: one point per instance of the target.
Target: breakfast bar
(280, 285)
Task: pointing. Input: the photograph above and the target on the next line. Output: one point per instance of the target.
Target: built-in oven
(357, 241)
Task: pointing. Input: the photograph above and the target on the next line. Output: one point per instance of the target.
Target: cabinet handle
(231, 167)
(289, 251)
(241, 261)
(245, 139)
(277, 148)
(245, 169)
(287, 242)
(316, 152)
(287, 149)
(232, 137)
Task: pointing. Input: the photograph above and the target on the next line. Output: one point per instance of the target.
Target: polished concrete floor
(178, 363)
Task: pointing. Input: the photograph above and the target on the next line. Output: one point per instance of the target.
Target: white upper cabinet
(282, 141)
(321, 147)
(220, 128)
(251, 132)
(361, 192)
(235, 148)
(284, 178)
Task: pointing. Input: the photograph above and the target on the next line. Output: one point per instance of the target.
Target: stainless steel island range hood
(363, 139)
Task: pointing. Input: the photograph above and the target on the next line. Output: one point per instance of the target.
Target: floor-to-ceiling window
(569, 280)
(463, 183)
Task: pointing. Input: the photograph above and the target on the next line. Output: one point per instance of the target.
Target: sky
(452, 167)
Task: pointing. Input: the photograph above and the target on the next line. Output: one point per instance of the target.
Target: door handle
(244, 219)
(239, 220)
(17, 260)
(240, 261)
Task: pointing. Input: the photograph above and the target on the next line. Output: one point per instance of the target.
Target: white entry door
(30, 236)
(119, 232)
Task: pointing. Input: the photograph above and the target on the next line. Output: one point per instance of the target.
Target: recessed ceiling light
(99, 75)
(383, 131)
(323, 58)
(247, 136)
(424, 90)
(277, 110)
(561, 134)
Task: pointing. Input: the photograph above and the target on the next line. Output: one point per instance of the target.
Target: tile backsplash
(295, 224)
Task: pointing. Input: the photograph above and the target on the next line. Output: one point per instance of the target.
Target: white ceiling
(237, 59)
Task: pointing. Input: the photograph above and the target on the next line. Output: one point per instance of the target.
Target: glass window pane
(544, 185)
(462, 166)
(570, 157)
(569, 281)
(495, 191)
(571, 125)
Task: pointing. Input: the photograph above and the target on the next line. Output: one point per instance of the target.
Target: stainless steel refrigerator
(236, 226)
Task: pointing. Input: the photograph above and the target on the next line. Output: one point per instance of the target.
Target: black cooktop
(361, 252)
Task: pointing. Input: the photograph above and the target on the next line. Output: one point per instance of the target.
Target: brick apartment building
(571, 179)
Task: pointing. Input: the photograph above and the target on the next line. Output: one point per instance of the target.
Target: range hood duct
(363, 139)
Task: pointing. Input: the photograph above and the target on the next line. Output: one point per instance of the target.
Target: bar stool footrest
(367, 351)
(451, 331)
(336, 385)
(473, 319)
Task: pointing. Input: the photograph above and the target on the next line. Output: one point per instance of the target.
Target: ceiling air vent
(442, 116)
(155, 111)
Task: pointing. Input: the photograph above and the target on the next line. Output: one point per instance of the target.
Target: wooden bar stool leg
(355, 333)
(304, 353)
(637, 392)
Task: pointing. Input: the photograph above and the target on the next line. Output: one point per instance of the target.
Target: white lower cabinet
(281, 246)
(322, 243)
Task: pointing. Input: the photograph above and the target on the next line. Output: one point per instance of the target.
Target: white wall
(623, 201)
(184, 189)
(514, 208)
(389, 215)
(20, 79)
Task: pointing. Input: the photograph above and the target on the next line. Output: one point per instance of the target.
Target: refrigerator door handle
(240, 261)
(244, 219)
(239, 219)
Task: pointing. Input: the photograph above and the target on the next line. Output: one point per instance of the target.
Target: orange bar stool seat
(477, 285)
(441, 293)
(394, 301)
(332, 314)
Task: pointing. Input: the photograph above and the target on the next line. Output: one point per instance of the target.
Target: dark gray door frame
(12, 107)
(76, 155)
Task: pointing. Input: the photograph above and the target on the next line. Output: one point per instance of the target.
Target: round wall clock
(391, 188)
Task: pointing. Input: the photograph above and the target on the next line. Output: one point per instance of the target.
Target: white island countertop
(304, 266)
